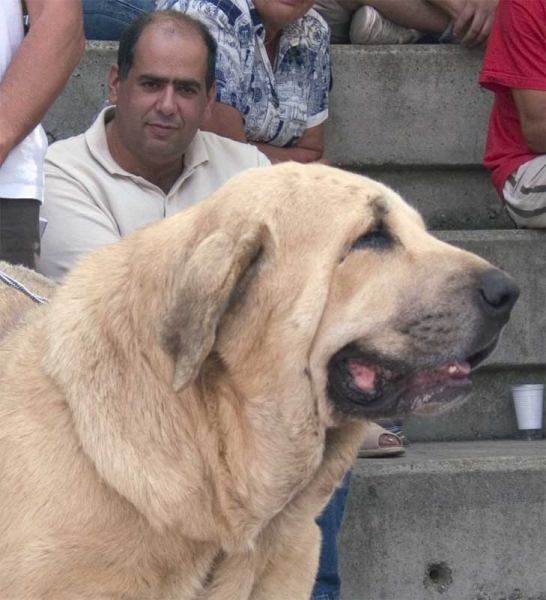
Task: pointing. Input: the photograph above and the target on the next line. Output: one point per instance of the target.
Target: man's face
(279, 14)
(163, 99)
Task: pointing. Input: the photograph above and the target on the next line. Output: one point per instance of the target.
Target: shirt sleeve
(516, 54)
(233, 34)
(75, 225)
(320, 88)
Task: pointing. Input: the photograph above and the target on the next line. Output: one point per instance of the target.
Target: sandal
(394, 427)
(372, 446)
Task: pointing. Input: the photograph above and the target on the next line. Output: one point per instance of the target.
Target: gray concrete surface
(407, 105)
(452, 521)
(84, 95)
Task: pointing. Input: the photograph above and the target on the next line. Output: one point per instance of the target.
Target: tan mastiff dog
(173, 421)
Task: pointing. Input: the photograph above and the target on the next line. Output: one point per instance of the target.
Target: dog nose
(498, 293)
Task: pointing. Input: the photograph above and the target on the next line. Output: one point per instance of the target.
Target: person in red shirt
(514, 69)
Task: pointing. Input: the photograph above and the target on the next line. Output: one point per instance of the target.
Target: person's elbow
(534, 134)
(313, 155)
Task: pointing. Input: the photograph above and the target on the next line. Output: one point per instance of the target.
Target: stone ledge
(460, 521)
(407, 105)
(459, 457)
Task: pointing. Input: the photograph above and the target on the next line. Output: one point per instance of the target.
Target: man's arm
(309, 148)
(228, 122)
(40, 68)
(531, 106)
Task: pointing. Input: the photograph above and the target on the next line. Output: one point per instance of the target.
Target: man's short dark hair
(130, 36)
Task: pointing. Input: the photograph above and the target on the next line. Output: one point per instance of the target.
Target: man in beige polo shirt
(144, 158)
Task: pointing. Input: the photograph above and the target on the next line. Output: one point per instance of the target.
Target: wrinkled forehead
(296, 202)
(327, 197)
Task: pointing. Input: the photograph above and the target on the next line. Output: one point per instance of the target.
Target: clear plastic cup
(529, 405)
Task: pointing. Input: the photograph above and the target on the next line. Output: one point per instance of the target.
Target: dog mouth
(363, 385)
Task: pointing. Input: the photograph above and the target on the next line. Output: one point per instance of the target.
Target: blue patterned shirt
(277, 102)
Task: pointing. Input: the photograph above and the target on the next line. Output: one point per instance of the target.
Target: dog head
(331, 278)
(303, 296)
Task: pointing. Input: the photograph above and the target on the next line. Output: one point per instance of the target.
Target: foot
(394, 427)
(370, 27)
(380, 443)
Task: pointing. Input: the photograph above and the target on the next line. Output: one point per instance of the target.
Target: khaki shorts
(525, 194)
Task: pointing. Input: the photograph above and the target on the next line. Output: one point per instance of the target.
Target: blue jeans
(106, 19)
(328, 583)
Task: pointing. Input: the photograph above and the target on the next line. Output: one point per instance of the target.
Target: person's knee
(106, 19)
(524, 194)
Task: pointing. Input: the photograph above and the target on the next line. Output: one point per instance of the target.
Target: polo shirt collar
(195, 155)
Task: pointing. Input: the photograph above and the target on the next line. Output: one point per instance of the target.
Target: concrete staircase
(463, 515)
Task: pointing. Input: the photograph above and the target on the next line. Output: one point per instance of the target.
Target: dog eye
(375, 239)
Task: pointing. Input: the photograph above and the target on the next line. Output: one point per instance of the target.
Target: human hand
(473, 20)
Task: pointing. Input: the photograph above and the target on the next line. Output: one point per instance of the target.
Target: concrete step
(407, 105)
(449, 521)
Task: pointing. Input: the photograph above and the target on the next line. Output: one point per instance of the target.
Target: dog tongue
(363, 375)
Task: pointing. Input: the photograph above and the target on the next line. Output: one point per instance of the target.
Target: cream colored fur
(165, 431)
(15, 305)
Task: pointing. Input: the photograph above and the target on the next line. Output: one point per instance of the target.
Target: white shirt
(92, 201)
(21, 174)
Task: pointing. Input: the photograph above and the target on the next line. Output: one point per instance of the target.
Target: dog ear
(210, 278)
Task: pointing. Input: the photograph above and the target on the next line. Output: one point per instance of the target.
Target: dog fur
(14, 305)
(166, 431)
